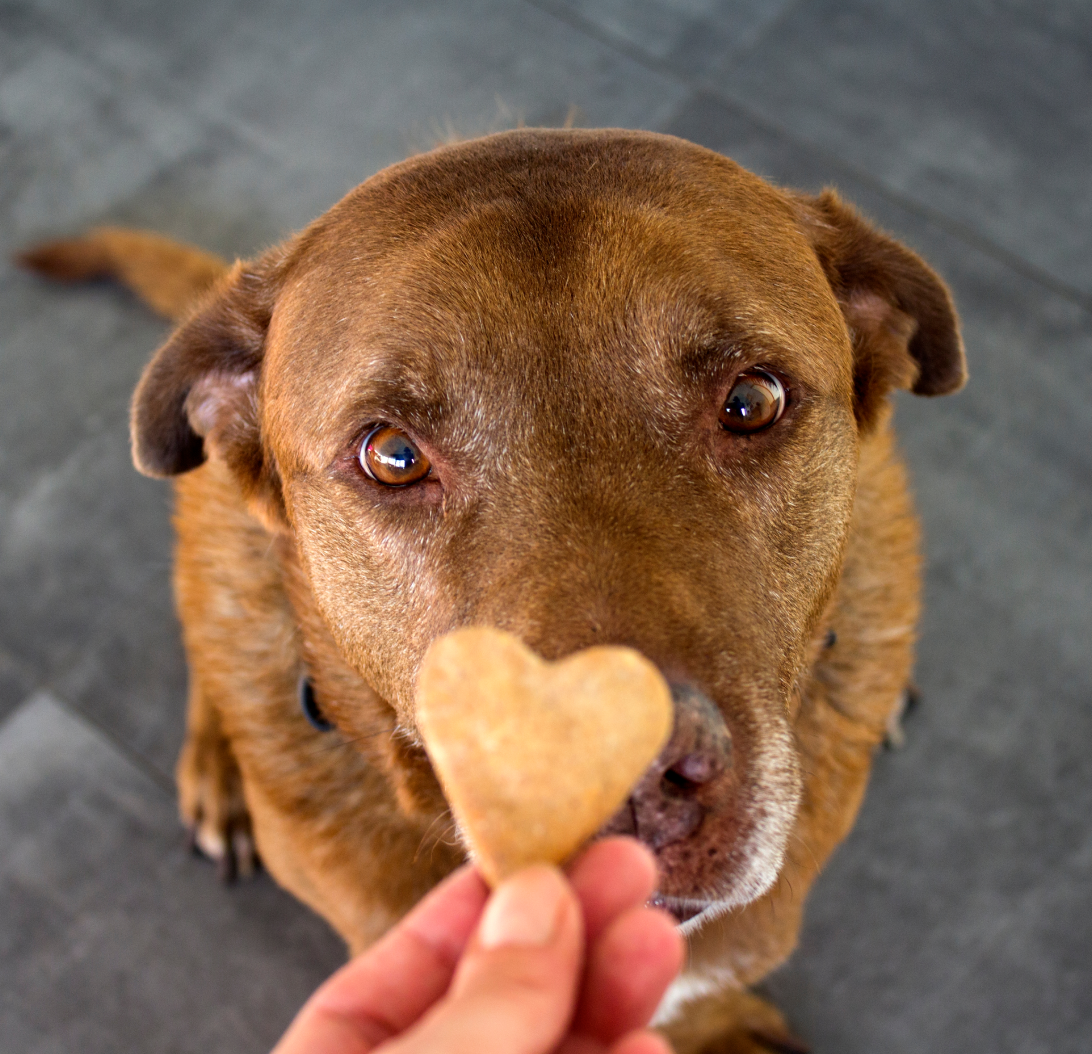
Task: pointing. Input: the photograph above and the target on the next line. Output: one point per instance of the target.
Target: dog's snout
(666, 805)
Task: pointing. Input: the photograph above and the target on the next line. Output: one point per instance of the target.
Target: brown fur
(556, 318)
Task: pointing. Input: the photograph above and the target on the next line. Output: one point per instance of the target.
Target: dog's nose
(665, 807)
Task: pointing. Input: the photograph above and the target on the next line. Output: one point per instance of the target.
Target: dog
(585, 386)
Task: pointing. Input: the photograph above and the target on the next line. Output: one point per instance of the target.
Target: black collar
(310, 707)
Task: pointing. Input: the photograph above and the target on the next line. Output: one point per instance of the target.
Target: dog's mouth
(682, 909)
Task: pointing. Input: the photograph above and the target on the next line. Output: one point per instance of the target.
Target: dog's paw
(210, 799)
(732, 1023)
(759, 1041)
(895, 734)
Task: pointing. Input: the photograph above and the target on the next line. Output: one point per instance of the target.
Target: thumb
(515, 988)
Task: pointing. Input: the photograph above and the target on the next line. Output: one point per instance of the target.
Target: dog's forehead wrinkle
(419, 379)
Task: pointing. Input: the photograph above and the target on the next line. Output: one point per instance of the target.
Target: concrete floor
(958, 916)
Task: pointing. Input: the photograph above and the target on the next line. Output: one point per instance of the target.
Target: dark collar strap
(310, 707)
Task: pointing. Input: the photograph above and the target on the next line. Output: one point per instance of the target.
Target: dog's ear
(900, 315)
(198, 397)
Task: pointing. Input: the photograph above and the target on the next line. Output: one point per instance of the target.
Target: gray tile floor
(958, 916)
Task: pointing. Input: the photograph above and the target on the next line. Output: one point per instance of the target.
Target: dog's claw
(894, 734)
(213, 807)
(235, 856)
(233, 853)
(781, 1043)
(226, 870)
(244, 854)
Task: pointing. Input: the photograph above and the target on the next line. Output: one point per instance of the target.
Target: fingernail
(524, 910)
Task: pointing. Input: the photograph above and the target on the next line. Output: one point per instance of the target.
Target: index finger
(387, 988)
(611, 876)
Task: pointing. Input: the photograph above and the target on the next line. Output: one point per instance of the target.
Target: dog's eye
(390, 457)
(755, 402)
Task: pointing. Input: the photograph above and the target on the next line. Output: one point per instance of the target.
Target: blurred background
(958, 916)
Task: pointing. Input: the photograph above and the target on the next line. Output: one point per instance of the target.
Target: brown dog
(585, 386)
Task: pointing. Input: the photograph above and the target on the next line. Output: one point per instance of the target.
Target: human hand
(545, 964)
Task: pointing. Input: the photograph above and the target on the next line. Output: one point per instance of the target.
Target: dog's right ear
(198, 397)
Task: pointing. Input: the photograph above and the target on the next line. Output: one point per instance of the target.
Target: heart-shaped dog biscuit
(535, 757)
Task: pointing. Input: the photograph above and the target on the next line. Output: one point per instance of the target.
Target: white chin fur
(686, 989)
(755, 883)
(774, 803)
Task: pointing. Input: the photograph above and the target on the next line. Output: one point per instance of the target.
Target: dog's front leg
(210, 791)
(731, 1022)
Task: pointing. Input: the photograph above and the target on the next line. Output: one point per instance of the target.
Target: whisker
(330, 744)
(364, 737)
(807, 847)
(444, 818)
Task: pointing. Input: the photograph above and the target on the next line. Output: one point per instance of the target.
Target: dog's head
(588, 387)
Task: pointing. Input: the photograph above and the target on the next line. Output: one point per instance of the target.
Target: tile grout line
(958, 229)
(162, 781)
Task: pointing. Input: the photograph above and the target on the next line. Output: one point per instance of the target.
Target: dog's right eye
(756, 401)
(390, 457)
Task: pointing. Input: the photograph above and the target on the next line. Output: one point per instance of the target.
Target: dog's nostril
(694, 768)
(673, 782)
(689, 773)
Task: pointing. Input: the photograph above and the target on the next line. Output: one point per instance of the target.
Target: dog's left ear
(901, 318)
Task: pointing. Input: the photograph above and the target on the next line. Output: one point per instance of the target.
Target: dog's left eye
(390, 457)
(756, 401)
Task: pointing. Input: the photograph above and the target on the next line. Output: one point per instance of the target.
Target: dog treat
(535, 756)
